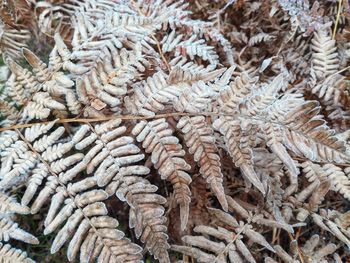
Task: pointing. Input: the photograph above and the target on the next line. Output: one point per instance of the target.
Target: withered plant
(175, 131)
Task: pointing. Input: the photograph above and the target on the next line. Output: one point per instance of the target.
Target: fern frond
(199, 137)
(309, 136)
(226, 246)
(339, 180)
(146, 209)
(324, 57)
(91, 230)
(167, 157)
(310, 250)
(12, 41)
(260, 37)
(237, 142)
(10, 230)
(10, 254)
(9, 205)
(190, 47)
(332, 91)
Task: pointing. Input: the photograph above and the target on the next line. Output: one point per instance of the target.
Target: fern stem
(337, 18)
(123, 117)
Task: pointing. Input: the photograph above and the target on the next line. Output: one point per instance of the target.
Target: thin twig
(100, 119)
(154, 38)
(340, 71)
(300, 255)
(230, 243)
(161, 52)
(164, 115)
(340, 2)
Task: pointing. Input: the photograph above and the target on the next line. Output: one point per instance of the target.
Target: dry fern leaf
(190, 47)
(112, 158)
(9, 205)
(39, 90)
(274, 142)
(53, 82)
(324, 57)
(17, 160)
(226, 246)
(10, 230)
(340, 181)
(200, 140)
(146, 209)
(153, 94)
(9, 254)
(87, 223)
(237, 142)
(12, 41)
(328, 220)
(310, 250)
(305, 133)
(332, 90)
(167, 157)
(190, 91)
(237, 132)
(260, 37)
(55, 16)
(144, 58)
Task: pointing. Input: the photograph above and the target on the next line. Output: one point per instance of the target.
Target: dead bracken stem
(300, 253)
(114, 117)
(337, 18)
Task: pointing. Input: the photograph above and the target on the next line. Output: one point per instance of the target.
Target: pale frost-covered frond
(332, 90)
(167, 157)
(275, 143)
(11, 255)
(260, 37)
(314, 249)
(305, 133)
(146, 213)
(56, 16)
(9, 206)
(191, 47)
(259, 101)
(237, 141)
(183, 70)
(219, 113)
(38, 91)
(10, 230)
(324, 57)
(21, 84)
(225, 245)
(199, 137)
(87, 214)
(105, 79)
(340, 180)
(88, 228)
(54, 83)
(232, 96)
(330, 221)
(16, 161)
(111, 160)
(12, 41)
(191, 93)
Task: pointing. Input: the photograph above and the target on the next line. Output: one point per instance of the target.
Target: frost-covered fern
(168, 130)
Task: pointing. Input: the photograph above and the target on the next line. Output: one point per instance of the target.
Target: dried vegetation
(175, 131)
